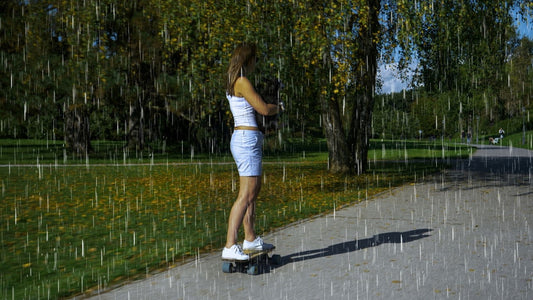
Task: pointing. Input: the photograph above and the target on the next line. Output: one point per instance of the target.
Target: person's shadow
(355, 245)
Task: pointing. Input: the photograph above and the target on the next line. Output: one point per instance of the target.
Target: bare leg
(249, 217)
(242, 211)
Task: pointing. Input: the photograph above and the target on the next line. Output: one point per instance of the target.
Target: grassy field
(69, 226)
(40, 152)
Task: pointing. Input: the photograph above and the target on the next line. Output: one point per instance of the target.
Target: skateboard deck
(257, 260)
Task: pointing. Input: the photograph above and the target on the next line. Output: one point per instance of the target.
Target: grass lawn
(71, 228)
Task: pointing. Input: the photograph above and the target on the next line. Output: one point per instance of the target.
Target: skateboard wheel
(253, 270)
(276, 259)
(226, 267)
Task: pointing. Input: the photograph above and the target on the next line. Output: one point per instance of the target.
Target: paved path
(462, 234)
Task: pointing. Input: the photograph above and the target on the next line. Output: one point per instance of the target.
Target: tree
(148, 70)
(518, 90)
(463, 47)
(134, 64)
(337, 44)
(12, 85)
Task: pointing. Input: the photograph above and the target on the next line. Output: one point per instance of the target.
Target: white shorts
(247, 150)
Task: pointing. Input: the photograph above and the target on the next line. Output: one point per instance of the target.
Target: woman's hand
(281, 106)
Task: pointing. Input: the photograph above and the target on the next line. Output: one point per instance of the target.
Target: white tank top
(243, 112)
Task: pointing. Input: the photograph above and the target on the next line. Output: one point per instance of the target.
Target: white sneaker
(256, 245)
(234, 253)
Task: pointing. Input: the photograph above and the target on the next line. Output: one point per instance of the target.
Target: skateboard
(257, 259)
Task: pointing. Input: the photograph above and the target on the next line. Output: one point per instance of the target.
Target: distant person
(463, 136)
(468, 137)
(501, 132)
(246, 148)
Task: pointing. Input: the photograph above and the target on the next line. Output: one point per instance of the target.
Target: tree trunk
(339, 155)
(135, 136)
(349, 152)
(361, 128)
(77, 130)
(365, 72)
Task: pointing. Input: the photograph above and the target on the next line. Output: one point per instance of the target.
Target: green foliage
(479, 108)
(469, 52)
(147, 71)
(463, 43)
(392, 117)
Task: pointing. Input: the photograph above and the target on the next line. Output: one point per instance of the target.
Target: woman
(246, 148)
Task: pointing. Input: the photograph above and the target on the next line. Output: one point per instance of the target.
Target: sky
(389, 75)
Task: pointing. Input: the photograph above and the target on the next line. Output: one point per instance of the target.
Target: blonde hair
(240, 61)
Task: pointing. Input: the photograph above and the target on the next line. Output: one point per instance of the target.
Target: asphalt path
(462, 234)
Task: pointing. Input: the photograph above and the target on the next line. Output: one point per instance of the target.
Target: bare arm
(244, 88)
